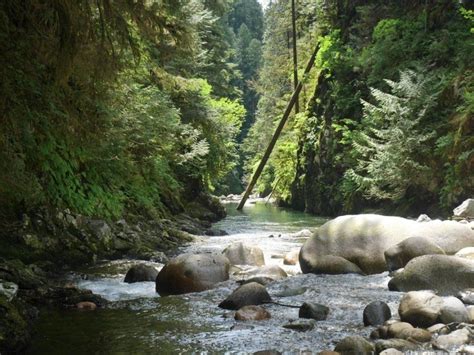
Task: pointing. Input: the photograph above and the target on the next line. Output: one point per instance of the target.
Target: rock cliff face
(361, 46)
(318, 173)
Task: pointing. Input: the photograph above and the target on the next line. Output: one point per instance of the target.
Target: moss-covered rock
(14, 326)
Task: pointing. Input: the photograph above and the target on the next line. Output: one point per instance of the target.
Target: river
(139, 321)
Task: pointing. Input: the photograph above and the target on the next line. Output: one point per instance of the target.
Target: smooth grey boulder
(355, 345)
(444, 274)
(400, 254)
(241, 254)
(361, 240)
(246, 295)
(192, 273)
(313, 311)
(453, 310)
(420, 308)
(140, 273)
(376, 313)
(465, 209)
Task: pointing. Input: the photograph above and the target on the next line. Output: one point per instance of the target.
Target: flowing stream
(139, 321)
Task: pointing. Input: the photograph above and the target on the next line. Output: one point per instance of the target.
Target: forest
(124, 121)
(126, 107)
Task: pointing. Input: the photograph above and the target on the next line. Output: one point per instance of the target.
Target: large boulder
(445, 274)
(400, 254)
(465, 209)
(192, 273)
(246, 295)
(241, 254)
(363, 239)
(141, 272)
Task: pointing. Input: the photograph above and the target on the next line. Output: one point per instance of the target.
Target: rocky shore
(39, 248)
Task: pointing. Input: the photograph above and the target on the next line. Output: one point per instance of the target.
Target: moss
(14, 327)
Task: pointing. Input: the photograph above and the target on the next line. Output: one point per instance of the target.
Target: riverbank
(39, 248)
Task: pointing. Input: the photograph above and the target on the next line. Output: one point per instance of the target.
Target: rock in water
(466, 296)
(451, 340)
(314, 311)
(465, 209)
(241, 254)
(291, 258)
(192, 273)
(420, 308)
(400, 254)
(330, 264)
(141, 272)
(355, 345)
(361, 240)
(246, 295)
(273, 272)
(444, 274)
(399, 330)
(453, 310)
(398, 344)
(300, 325)
(376, 313)
(403, 330)
(252, 313)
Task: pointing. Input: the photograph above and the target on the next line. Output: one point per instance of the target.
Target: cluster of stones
(426, 321)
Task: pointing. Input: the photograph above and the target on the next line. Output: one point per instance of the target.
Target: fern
(395, 133)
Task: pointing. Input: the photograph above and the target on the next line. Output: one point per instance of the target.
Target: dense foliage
(390, 121)
(115, 106)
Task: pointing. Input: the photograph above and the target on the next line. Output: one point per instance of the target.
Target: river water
(139, 321)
